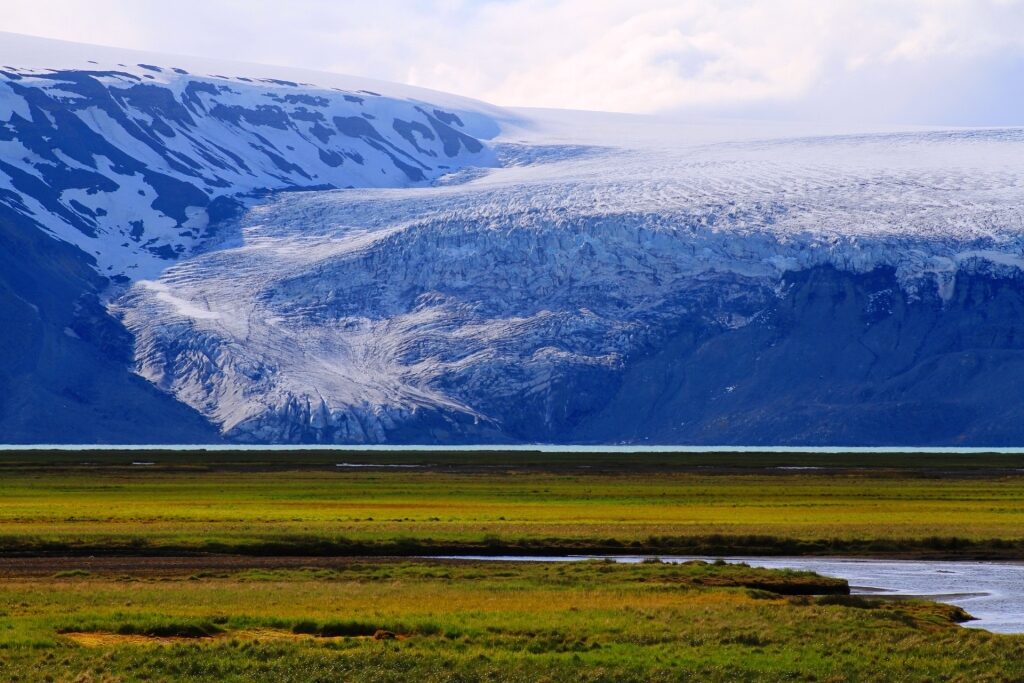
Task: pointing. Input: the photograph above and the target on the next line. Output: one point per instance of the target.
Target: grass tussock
(190, 629)
(335, 629)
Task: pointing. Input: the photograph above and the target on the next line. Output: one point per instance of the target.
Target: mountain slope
(839, 358)
(137, 165)
(316, 259)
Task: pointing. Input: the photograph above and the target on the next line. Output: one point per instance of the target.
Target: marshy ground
(285, 567)
(465, 621)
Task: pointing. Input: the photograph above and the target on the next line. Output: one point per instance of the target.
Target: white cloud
(726, 56)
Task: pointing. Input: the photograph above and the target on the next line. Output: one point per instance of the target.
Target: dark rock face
(839, 359)
(64, 364)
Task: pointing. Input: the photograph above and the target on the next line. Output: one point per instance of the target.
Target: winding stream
(992, 592)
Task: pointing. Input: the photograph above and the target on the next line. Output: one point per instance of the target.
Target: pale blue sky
(909, 61)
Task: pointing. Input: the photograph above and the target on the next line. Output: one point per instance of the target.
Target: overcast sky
(926, 61)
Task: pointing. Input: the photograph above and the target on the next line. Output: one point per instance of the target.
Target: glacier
(312, 258)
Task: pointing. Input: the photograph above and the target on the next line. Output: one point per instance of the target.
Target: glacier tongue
(506, 305)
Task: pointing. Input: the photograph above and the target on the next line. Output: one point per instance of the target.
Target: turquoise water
(544, 448)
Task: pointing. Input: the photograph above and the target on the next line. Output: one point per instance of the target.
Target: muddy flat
(37, 566)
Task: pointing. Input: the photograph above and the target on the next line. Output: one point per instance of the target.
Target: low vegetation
(470, 621)
(285, 567)
(294, 504)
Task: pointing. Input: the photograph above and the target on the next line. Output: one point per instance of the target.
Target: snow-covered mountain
(311, 258)
(115, 165)
(130, 161)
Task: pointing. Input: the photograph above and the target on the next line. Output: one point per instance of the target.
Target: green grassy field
(283, 504)
(272, 567)
(591, 621)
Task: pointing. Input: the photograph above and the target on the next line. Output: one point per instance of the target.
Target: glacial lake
(529, 448)
(991, 592)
